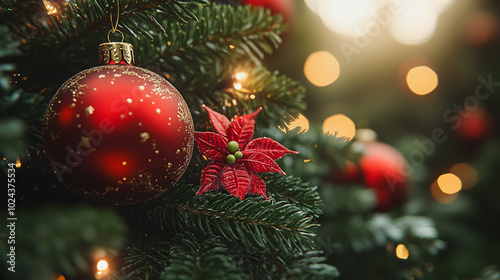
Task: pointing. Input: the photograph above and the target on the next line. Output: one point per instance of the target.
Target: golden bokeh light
(321, 68)
(416, 22)
(467, 174)
(61, 277)
(51, 9)
(422, 80)
(440, 196)
(18, 163)
(340, 124)
(346, 17)
(449, 183)
(300, 122)
(402, 252)
(102, 265)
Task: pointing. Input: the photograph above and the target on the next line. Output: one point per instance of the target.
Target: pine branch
(257, 264)
(56, 240)
(81, 16)
(296, 192)
(310, 266)
(319, 155)
(145, 260)
(277, 94)
(17, 108)
(195, 258)
(269, 225)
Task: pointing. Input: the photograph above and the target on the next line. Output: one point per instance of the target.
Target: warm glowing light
(467, 174)
(102, 265)
(422, 80)
(237, 86)
(402, 252)
(231, 47)
(440, 196)
(341, 125)
(416, 22)
(51, 9)
(61, 277)
(321, 68)
(240, 76)
(18, 163)
(301, 122)
(366, 135)
(346, 17)
(449, 183)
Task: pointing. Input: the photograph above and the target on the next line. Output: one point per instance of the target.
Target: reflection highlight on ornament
(402, 252)
(422, 80)
(449, 183)
(301, 123)
(466, 173)
(339, 125)
(440, 196)
(321, 68)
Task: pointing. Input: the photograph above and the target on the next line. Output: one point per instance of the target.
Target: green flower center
(234, 152)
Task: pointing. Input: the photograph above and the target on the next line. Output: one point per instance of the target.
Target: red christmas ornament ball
(384, 170)
(282, 7)
(347, 174)
(118, 134)
(475, 125)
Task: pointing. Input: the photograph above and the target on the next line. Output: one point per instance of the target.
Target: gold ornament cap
(116, 52)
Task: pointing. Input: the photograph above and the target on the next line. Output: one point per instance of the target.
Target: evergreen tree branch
(277, 94)
(145, 260)
(81, 16)
(296, 192)
(195, 258)
(269, 225)
(56, 240)
(310, 266)
(18, 109)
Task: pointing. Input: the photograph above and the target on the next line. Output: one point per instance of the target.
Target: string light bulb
(241, 76)
(102, 265)
(51, 9)
(237, 86)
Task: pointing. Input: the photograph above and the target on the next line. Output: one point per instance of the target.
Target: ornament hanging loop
(114, 26)
(113, 31)
(116, 52)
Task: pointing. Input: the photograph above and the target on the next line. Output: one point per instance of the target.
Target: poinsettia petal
(211, 145)
(236, 179)
(268, 146)
(210, 179)
(258, 185)
(260, 163)
(219, 121)
(242, 128)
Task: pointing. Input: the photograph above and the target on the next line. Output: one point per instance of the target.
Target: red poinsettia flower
(236, 159)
